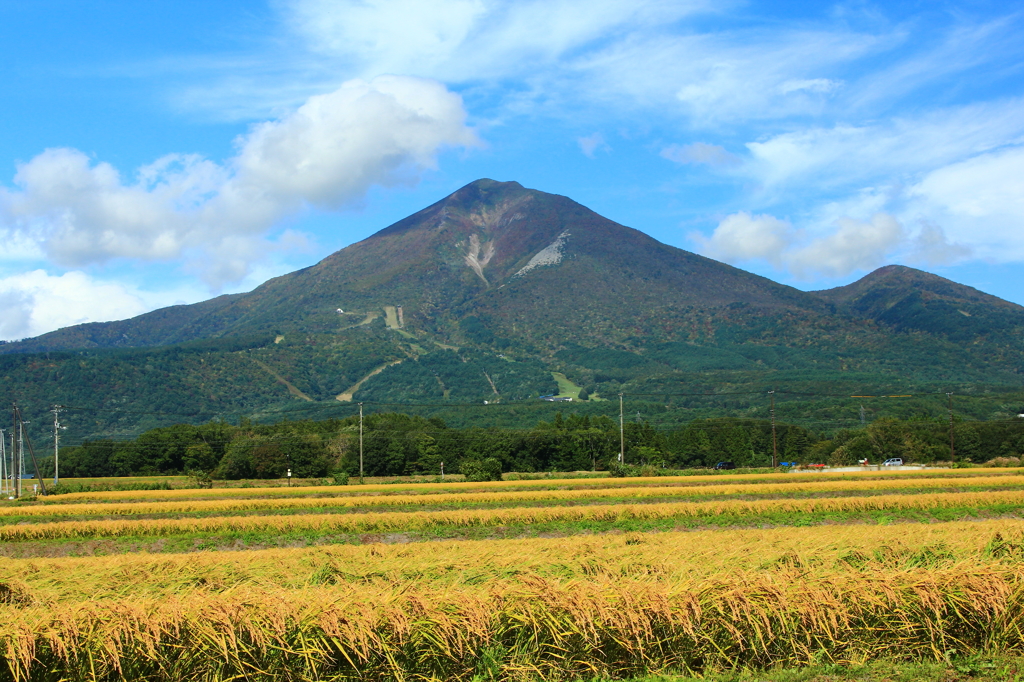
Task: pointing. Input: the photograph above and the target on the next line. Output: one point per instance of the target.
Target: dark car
(724, 465)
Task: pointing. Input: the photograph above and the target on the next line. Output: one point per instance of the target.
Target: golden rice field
(332, 499)
(715, 480)
(581, 579)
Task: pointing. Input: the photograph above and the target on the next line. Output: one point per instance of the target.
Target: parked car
(725, 465)
(893, 462)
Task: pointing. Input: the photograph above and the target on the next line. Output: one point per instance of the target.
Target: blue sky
(164, 152)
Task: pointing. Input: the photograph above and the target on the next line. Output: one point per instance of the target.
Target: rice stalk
(468, 518)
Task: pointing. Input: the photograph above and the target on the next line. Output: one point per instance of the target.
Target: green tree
(796, 444)
(592, 445)
(481, 469)
(428, 455)
(967, 443)
(200, 457)
(738, 447)
(647, 456)
(237, 462)
(888, 438)
(693, 447)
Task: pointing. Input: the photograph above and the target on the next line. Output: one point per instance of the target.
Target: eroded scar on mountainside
(549, 255)
(479, 252)
(478, 256)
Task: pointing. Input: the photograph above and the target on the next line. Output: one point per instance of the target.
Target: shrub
(618, 470)
(1003, 462)
(648, 470)
(197, 478)
(340, 477)
(481, 469)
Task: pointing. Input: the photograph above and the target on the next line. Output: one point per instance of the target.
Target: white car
(894, 462)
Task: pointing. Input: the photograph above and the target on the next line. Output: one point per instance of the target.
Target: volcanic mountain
(485, 293)
(527, 258)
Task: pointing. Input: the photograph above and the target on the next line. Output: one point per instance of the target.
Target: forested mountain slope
(485, 293)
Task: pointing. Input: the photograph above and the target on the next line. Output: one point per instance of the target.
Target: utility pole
(56, 443)
(775, 441)
(622, 435)
(10, 471)
(4, 470)
(360, 443)
(952, 450)
(20, 423)
(20, 452)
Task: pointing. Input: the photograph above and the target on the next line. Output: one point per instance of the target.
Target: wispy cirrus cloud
(700, 153)
(591, 144)
(897, 148)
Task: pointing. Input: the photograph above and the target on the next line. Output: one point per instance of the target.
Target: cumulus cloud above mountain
(326, 154)
(36, 302)
(844, 247)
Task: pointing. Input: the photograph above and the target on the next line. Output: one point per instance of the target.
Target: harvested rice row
(586, 483)
(532, 628)
(409, 521)
(500, 497)
(663, 556)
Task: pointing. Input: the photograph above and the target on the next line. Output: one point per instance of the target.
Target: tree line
(401, 444)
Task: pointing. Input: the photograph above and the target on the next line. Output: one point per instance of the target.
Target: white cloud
(728, 80)
(980, 201)
(467, 40)
(896, 149)
(743, 236)
(854, 245)
(961, 168)
(525, 54)
(591, 144)
(841, 248)
(813, 85)
(932, 247)
(556, 56)
(699, 153)
(944, 55)
(35, 302)
(326, 154)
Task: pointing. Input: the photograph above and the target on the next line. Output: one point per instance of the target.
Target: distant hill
(905, 299)
(483, 295)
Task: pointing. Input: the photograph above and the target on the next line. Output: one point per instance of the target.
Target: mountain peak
(484, 193)
(908, 299)
(527, 261)
(488, 185)
(897, 281)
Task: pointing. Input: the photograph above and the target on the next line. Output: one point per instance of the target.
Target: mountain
(906, 299)
(483, 295)
(491, 248)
